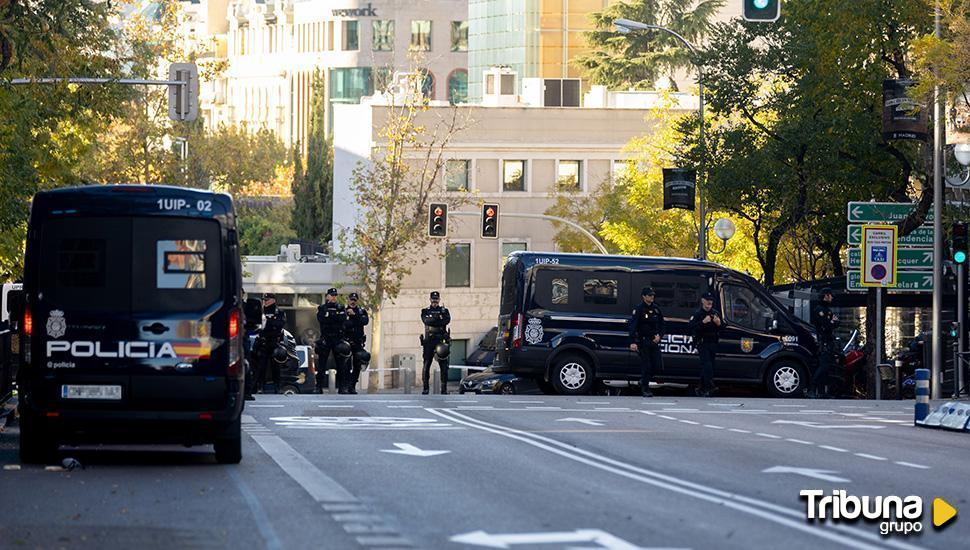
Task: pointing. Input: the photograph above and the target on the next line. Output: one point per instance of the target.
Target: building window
(458, 86)
(513, 175)
(421, 35)
(459, 36)
(456, 175)
(427, 84)
(458, 265)
(510, 247)
(570, 175)
(383, 35)
(351, 36)
(349, 84)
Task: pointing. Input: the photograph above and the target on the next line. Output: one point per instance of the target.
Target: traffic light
(959, 242)
(490, 221)
(438, 220)
(761, 11)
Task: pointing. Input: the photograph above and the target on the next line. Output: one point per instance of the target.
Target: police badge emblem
(747, 344)
(533, 331)
(56, 325)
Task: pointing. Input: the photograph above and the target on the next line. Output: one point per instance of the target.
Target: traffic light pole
(546, 217)
(961, 327)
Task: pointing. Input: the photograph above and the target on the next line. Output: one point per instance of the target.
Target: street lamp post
(625, 26)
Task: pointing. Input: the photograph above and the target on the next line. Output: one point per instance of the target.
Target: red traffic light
(437, 220)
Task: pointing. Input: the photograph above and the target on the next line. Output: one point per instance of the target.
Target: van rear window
(128, 264)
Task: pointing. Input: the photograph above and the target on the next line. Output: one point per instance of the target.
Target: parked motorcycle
(848, 377)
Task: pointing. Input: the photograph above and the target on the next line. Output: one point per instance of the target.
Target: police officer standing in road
(705, 324)
(332, 318)
(356, 321)
(266, 343)
(825, 322)
(646, 330)
(435, 342)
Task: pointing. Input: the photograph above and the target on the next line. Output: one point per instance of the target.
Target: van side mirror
(774, 324)
(16, 305)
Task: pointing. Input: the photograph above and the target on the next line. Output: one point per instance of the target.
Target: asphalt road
(545, 472)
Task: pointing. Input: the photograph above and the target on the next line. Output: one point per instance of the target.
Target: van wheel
(786, 379)
(572, 375)
(36, 447)
(289, 389)
(229, 446)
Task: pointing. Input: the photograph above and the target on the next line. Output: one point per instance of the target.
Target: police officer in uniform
(332, 318)
(266, 343)
(705, 324)
(646, 329)
(356, 321)
(435, 342)
(825, 322)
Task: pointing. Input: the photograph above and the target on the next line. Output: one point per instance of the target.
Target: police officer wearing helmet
(332, 318)
(435, 342)
(825, 322)
(646, 330)
(356, 321)
(705, 325)
(267, 343)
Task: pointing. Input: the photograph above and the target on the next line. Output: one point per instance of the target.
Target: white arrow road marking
(495, 540)
(824, 475)
(829, 426)
(411, 450)
(581, 421)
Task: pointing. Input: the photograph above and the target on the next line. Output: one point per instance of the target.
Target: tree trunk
(377, 345)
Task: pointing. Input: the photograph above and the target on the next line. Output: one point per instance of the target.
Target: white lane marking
(790, 406)
(263, 523)
(824, 475)
(911, 465)
(655, 403)
(586, 421)
(667, 417)
(831, 448)
(336, 406)
(713, 427)
(611, 408)
(651, 413)
(818, 426)
(799, 441)
(461, 401)
(397, 542)
(593, 403)
(410, 450)
(248, 419)
(678, 410)
(359, 422)
(739, 430)
(524, 402)
(320, 486)
(544, 408)
(794, 519)
(769, 436)
(871, 457)
(817, 411)
(256, 406)
(602, 539)
(405, 406)
(725, 404)
(473, 407)
(689, 422)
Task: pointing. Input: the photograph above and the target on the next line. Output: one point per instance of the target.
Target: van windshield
(125, 264)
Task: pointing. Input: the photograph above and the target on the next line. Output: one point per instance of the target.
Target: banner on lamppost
(679, 185)
(902, 116)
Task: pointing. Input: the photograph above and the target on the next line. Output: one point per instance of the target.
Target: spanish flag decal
(193, 350)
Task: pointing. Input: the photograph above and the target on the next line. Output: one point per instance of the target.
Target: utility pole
(937, 365)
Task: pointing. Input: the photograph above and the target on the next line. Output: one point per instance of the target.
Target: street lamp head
(724, 229)
(962, 152)
(621, 29)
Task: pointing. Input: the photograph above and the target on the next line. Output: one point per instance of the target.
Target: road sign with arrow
(881, 212)
(907, 281)
(921, 236)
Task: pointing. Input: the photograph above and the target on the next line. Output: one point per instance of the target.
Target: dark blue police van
(564, 319)
(132, 323)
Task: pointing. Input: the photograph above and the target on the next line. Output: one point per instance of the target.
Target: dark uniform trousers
(708, 353)
(356, 345)
(326, 345)
(651, 361)
(430, 342)
(826, 352)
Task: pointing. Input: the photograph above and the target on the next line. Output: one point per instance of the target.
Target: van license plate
(90, 392)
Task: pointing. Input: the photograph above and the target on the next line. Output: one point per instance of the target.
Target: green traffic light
(959, 256)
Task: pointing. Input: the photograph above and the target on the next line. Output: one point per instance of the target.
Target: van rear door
(131, 312)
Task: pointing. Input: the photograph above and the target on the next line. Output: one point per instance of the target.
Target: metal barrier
(922, 395)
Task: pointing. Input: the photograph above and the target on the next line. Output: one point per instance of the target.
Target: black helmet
(280, 355)
(647, 291)
(442, 350)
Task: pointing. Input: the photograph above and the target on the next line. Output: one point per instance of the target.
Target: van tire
(786, 379)
(36, 447)
(572, 374)
(228, 447)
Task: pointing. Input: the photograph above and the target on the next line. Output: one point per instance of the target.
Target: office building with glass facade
(280, 51)
(536, 38)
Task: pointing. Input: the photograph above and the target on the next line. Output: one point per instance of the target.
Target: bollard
(435, 381)
(899, 379)
(406, 378)
(922, 394)
(373, 378)
(332, 380)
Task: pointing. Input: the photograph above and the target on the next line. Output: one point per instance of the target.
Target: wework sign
(679, 188)
(368, 11)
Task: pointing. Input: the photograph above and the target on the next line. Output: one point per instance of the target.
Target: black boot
(425, 391)
(444, 390)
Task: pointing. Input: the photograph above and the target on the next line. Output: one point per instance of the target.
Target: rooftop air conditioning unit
(499, 87)
(551, 92)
